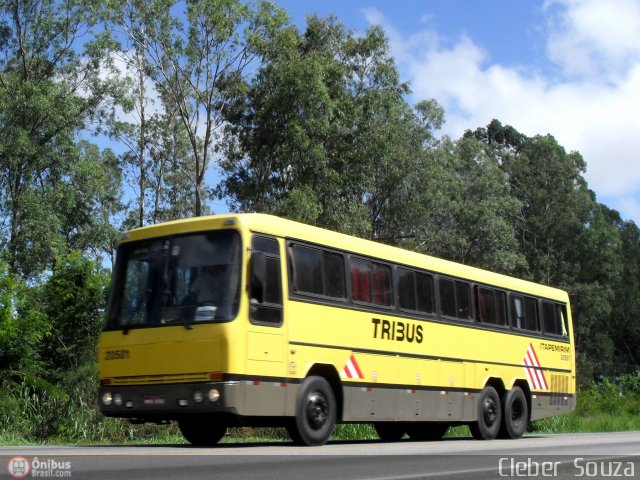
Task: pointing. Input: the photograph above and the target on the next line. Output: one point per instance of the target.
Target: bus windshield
(176, 280)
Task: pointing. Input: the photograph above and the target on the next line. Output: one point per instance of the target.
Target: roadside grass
(607, 407)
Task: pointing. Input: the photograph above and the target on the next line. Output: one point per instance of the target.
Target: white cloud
(594, 37)
(593, 113)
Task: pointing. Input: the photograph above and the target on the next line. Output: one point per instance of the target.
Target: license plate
(154, 400)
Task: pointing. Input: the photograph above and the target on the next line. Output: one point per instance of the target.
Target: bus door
(266, 339)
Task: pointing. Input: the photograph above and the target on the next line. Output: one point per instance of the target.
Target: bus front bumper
(168, 401)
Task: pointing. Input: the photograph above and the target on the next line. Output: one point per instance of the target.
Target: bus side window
(424, 284)
(360, 281)
(501, 308)
(447, 297)
(265, 292)
(531, 314)
(406, 289)
(381, 285)
(463, 300)
(554, 318)
(517, 312)
(561, 313)
(486, 305)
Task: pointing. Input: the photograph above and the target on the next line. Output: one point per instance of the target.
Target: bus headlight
(117, 399)
(107, 399)
(197, 396)
(214, 395)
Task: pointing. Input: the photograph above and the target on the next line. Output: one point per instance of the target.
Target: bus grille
(560, 390)
(153, 379)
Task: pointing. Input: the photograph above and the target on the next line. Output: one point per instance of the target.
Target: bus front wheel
(515, 414)
(489, 415)
(315, 415)
(202, 432)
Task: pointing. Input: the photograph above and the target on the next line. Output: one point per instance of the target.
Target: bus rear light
(105, 381)
(216, 376)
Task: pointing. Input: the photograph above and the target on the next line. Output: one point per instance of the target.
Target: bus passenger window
(463, 299)
(360, 281)
(447, 297)
(501, 308)
(486, 305)
(517, 312)
(531, 314)
(561, 313)
(406, 289)
(333, 267)
(381, 285)
(424, 285)
(553, 319)
(317, 272)
(307, 263)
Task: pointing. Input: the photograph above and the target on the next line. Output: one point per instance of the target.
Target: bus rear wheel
(202, 432)
(315, 415)
(489, 416)
(389, 431)
(515, 414)
(427, 431)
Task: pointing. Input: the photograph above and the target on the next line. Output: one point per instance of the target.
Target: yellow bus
(251, 319)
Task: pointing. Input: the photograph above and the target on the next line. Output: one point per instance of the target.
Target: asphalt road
(603, 455)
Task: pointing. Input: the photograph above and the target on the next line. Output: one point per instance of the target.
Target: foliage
(73, 300)
(604, 406)
(48, 92)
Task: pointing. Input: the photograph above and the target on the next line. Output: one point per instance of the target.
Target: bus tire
(316, 412)
(489, 412)
(426, 431)
(202, 432)
(515, 414)
(389, 431)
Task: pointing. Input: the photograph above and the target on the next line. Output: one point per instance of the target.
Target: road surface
(605, 455)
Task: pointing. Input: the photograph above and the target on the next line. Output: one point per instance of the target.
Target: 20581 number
(116, 355)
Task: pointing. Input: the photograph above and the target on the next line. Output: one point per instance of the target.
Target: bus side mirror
(258, 276)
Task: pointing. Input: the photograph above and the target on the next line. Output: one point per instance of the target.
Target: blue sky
(570, 68)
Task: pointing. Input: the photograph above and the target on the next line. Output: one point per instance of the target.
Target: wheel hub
(317, 410)
(490, 412)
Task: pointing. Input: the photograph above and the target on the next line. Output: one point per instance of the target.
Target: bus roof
(272, 225)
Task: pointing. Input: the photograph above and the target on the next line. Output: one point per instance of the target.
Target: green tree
(322, 131)
(48, 93)
(23, 326)
(74, 300)
(625, 328)
(199, 60)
